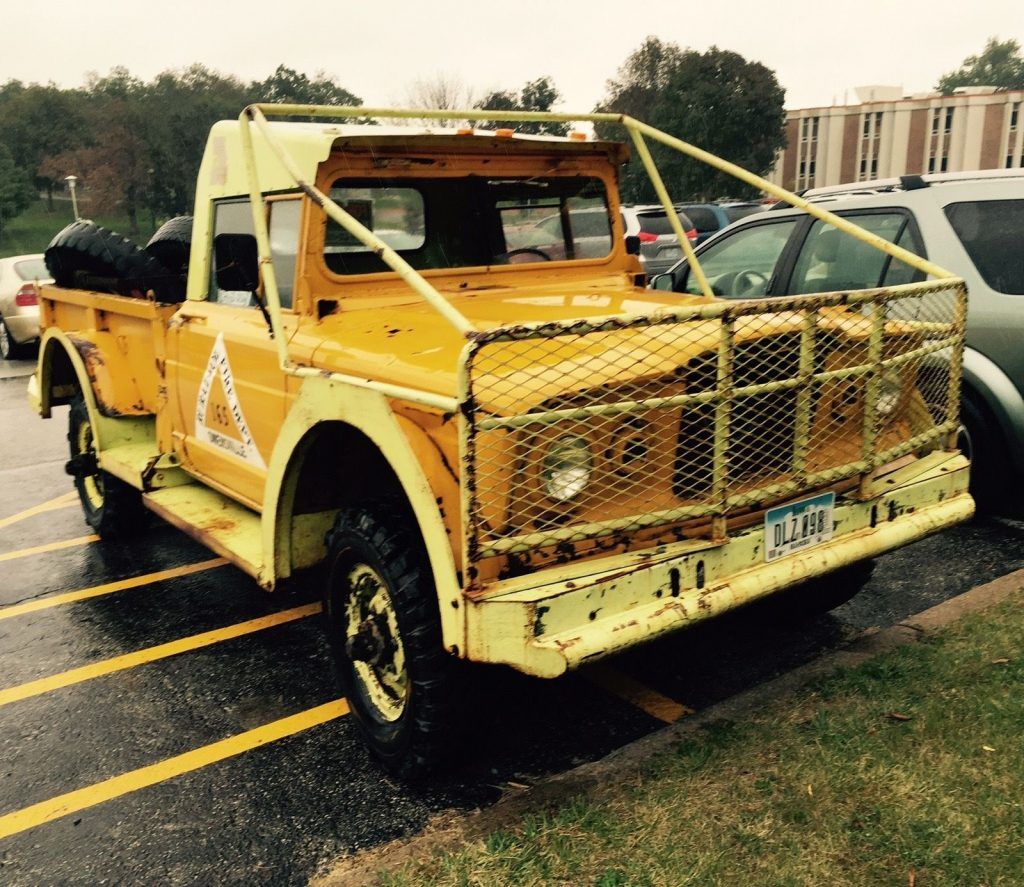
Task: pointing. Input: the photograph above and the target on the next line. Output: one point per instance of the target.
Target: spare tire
(87, 255)
(170, 246)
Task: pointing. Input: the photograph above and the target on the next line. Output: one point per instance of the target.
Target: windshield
(470, 221)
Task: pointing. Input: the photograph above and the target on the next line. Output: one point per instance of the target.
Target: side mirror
(665, 282)
(237, 261)
(633, 245)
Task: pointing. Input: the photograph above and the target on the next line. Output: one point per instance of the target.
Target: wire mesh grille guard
(586, 429)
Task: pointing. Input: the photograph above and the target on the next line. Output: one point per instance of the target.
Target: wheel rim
(92, 484)
(964, 442)
(373, 643)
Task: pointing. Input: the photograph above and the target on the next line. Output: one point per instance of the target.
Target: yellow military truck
(420, 365)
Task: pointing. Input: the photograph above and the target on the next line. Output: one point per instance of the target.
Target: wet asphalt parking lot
(226, 757)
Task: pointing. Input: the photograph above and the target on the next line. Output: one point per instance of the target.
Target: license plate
(670, 252)
(798, 525)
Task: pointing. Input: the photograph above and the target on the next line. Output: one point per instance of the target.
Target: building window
(878, 124)
(810, 169)
(1014, 114)
(814, 129)
(944, 165)
(863, 167)
(867, 125)
(803, 129)
(1009, 161)
(874, 166)
(935, 121)
(931, 164)
(803, 168)
(949, 119)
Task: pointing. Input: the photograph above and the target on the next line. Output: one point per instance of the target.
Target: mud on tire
(92, 257)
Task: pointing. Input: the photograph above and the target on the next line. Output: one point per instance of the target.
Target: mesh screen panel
(581, 430)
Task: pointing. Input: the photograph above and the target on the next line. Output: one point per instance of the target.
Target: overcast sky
(819, 51)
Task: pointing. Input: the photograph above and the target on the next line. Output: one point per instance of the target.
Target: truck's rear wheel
(385, 635)
(111, 507)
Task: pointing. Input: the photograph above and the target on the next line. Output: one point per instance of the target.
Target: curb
(449, 829)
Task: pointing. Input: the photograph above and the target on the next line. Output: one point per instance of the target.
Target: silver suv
(970, 223)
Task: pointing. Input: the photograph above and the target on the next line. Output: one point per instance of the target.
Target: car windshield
(31, 269)
(471, 221)
(992, 232)
(656, 221)
(704, 218)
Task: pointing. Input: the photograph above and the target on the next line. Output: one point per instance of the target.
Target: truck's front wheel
(111, 507)
(385, 636)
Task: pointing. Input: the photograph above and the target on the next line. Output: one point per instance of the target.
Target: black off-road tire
(821, 594)
(91, 257)
(419, 741)
(111, 507)
(170, 246)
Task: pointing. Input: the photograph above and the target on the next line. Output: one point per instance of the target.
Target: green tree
(537, 95)
(289, 86)
(16, 190)
(716, 100)
(999, 64)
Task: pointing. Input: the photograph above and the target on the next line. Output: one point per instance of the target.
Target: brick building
(888, 134)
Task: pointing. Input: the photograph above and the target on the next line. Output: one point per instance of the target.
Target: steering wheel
(749, 284)
(527, 250)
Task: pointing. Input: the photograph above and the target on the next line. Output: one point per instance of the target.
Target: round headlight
(566, 468)
(889, 394)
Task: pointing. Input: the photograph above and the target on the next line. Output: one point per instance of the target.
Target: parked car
(20, 277)
(710, 218)
(659, 246)
(971, 223)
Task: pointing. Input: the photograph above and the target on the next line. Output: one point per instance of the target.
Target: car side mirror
(633, 245)
(665, 282)
(237, 260)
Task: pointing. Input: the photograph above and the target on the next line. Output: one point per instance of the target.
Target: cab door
(228, 387)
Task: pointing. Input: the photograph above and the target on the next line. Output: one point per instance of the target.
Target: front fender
(368, 411)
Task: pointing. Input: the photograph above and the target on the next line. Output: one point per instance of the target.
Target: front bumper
(23, 327)
(549, 622)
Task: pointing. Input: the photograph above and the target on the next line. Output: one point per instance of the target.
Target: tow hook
(82, 465)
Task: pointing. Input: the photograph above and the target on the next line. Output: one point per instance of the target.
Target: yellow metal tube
(670, 210)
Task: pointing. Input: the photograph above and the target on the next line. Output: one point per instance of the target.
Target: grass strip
(906, 769)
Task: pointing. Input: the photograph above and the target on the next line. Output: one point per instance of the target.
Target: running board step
(219, 523)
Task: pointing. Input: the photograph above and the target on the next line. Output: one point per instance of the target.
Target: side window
(900, 272)
(284, 245)
(742, 265)
(990, 231)
(235, 217)
(230, 217)
(831, 260)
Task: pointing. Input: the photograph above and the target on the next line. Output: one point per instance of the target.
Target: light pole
(72, 181)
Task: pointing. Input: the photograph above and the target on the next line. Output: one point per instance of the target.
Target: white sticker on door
(219, 417)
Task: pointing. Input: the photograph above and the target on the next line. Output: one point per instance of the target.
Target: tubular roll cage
(940, 337)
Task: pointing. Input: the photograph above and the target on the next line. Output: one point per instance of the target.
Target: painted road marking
(108, 789)
(49, 546)
(152, 654)
(53, 504)
(82, 594)
(643, 697)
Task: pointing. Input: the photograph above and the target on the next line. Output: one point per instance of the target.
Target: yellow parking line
(152, 654)
(643, 697)
(81, 799)
(49, 546)
(60, 502)
(82, 594)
